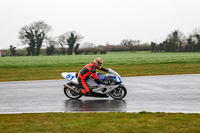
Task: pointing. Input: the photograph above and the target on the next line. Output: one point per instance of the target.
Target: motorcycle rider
(90, 69)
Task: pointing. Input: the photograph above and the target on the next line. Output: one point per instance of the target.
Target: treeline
(35, 37)
(177, 42)
(101, 49)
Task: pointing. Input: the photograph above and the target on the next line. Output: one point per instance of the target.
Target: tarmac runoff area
(169, 93)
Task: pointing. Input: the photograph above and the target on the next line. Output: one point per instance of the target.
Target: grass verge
(125, 63)
(22, 74)
(100, 122)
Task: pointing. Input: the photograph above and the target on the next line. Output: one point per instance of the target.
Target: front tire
(71, 94)
(119, 92)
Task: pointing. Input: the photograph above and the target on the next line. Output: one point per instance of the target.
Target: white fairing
(119, 79)
(71, 76)
(114, 73)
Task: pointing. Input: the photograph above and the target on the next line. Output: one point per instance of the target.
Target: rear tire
(119, 92)
(71, 94)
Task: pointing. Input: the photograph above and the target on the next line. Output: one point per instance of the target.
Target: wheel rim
(118, 93)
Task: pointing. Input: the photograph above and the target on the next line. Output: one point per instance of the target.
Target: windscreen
(112, 73)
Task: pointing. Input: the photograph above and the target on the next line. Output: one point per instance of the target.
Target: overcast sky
(100, 21)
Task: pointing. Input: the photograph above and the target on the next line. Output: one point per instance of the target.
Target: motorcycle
(113, 88)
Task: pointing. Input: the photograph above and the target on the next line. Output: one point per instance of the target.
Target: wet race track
(178, 93)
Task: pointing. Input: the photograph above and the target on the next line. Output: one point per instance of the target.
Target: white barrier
(0, 53)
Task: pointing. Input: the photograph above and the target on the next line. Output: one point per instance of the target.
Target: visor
(100, 64)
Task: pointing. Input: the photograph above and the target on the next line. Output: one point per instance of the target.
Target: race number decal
(69, 76)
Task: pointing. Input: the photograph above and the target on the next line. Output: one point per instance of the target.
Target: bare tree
(62, 41)
(174, 41)
(193, 41)
(131, 43)
(51, 43)
(34, 35)
(12, 50)
(71, 39)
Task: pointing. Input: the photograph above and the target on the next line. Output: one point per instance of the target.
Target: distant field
(126, 63)
(112, 58)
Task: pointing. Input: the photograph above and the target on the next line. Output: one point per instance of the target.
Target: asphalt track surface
(175, 93)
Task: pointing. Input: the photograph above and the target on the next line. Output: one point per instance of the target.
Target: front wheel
(71, 94)
(119, 92)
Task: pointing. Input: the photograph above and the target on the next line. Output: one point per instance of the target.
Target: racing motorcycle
(113, 88)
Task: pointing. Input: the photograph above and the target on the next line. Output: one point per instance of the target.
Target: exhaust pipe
(72, 89)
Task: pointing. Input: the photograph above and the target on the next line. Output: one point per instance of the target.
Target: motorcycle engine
(110, 81)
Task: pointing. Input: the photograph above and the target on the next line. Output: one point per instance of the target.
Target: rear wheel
(119, 92)
(71, 94)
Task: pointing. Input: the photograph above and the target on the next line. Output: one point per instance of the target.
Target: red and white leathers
(85, 72)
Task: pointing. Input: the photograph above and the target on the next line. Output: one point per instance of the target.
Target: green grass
(127, 64)
(100, 122)
(22, 74)
(112, 58)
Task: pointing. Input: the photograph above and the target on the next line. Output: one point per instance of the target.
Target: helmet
(98, 62)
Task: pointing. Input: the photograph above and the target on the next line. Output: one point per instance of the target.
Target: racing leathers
(85, 72)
